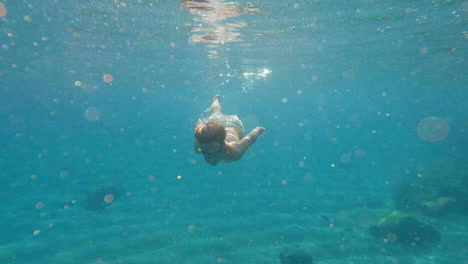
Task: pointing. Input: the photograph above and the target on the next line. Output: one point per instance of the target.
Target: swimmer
(220, 137)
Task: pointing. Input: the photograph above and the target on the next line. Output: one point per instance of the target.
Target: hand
(259, 130)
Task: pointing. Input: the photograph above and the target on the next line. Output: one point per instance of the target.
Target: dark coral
(432, 200)
(295, 257)
(404, 230)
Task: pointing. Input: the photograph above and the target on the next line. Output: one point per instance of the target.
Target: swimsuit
(225, 121)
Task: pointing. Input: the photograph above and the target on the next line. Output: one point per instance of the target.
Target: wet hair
(212, 132)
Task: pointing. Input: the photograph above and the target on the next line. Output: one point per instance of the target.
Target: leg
(215, 106)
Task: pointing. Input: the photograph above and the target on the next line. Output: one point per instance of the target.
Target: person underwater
(220, 137)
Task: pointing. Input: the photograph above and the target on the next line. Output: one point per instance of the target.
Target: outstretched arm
(238, 149)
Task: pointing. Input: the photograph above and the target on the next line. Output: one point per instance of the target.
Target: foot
(259, 130)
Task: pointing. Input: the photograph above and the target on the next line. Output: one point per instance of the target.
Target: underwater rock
(101, 197)
(442, 204)
(433, 200)
(410, 198)
(453, 199)
(295, 257)
(404, 230)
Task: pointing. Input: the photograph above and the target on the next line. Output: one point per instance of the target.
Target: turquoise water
(100, 97)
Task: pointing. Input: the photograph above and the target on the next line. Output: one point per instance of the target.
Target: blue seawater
(99, 98)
